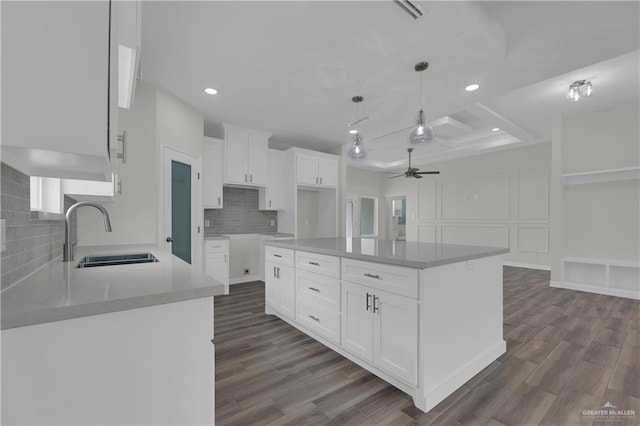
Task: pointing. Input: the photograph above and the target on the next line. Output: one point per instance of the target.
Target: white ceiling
(292, 67)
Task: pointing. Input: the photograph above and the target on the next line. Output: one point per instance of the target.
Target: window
(46, 195)
(368, 216)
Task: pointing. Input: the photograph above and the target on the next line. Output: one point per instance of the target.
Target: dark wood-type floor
(567, 352)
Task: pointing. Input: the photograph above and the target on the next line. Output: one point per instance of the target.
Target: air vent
(411, 7)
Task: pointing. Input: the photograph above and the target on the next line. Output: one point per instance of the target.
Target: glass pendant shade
(357, 151)
(579, 89)
(422, 133)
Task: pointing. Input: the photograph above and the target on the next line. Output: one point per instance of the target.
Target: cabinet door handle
(320, 181)
(316, 180)
(123, 155)
(314, 289)
(368, 302)
(218, 200)
(269, 203)
(376, 304)
(314, 263)
(372, 276)
(274, 271)
(120, 187)
(278, 273)
(245, 177)
(277, 255)
(316, 319)
(251, 178)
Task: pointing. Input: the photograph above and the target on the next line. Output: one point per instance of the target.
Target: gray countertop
(262, 234)
(402, 253)
(59, 291)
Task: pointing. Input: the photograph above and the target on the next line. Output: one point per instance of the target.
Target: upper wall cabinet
(129, 44)
(59, 88)
(246, 152)
(271, 197)
(212, 173)
(317, 170)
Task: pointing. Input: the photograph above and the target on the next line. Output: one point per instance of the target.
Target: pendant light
(422, 133)
(357, 150)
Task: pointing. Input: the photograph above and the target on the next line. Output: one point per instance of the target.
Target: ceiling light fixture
(357, 151)
(411, 7)
(495, 129)
(210, 91)
(579, 89)
(422, 133)
(472, 87)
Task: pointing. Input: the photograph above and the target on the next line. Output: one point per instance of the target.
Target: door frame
(388, 218)
(168, 153)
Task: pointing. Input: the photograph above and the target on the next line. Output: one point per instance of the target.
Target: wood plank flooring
(567, 352)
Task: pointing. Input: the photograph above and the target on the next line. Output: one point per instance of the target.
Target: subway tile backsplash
(240, 214)
(29, 243)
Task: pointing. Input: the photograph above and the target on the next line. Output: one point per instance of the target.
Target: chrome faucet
(68, 253)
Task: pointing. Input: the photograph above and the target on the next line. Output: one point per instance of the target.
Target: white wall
(598, 220)
(495, 199)
(155, 119)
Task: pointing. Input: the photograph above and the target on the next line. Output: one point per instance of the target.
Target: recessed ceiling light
(495, 129)
(353, 131)
(210, 91)
(472, 87)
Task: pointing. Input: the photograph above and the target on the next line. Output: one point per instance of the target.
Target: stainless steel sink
(116, 259)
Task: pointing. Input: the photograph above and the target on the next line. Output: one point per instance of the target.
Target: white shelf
(605, 276)
(628, 173)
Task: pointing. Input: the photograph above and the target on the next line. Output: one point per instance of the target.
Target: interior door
(181, 206)
(181, 210)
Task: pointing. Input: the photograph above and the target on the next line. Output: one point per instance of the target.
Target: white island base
(426, 331)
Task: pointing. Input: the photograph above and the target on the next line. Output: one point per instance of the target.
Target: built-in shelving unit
(613, 175)
(611, 277)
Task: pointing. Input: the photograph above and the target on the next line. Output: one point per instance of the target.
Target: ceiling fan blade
(416, 175)
(391, 177)
(358, 121)
(428, 173)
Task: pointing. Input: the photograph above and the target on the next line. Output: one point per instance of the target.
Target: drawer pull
(314, 263)
(277, 255)
(314, 289)
(372, 276)
(316, 319)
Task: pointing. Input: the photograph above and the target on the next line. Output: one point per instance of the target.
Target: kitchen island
(424, 317)
(118, 344)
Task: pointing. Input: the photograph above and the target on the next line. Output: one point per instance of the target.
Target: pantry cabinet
(246, 154)
(59, 88)
(212, 171)
(271, 197)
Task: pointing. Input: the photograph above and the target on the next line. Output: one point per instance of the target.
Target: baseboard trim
(527, 265)
(437, 394)
(628, 294)
(244, 279)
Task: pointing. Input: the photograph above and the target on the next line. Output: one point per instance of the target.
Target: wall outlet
(207, 223)
(470, 264)
(246, 271)
(273, 222)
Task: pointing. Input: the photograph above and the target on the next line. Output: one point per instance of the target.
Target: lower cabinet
(217, 261)
(280, 288)
(381, 328)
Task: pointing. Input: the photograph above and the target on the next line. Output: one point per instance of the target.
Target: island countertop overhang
(401, 253)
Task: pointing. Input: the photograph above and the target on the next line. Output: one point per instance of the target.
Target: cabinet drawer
(278, 255)
(318, 263)
(319, 289)
(320, 319)
(213, 246)
(393, 279)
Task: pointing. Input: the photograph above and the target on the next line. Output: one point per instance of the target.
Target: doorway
(181, 205)
(397, 214)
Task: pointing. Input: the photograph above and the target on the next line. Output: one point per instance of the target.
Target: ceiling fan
(413, 172)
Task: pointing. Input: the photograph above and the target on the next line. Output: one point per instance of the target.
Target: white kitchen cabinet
(212, 171)
(271, 197)
(91, 190)
(315, 170)
(246, 155)
(381, 328)
(59, 88)
(280, 288)
(217, 261)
